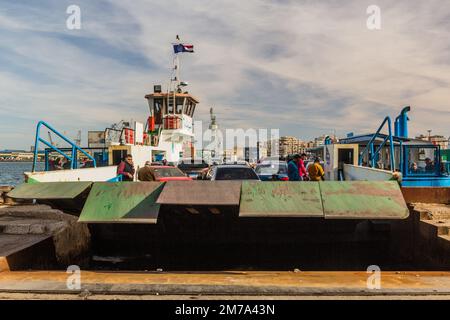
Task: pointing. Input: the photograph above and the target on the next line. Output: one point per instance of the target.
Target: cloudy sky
(306, 67)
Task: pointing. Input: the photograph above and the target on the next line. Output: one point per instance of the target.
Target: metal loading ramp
(363, 200)
(324, 199)
(201, 197)
(49, 190)
(201, 193)
(122, 202)
(280, 199)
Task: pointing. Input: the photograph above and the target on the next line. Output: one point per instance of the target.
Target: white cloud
(303, 66)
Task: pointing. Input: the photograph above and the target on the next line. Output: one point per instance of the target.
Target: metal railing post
(391, 145)
(369, 149)
(36, 142)
(74, 158)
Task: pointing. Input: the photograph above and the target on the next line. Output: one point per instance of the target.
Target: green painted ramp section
(201, 193)
(363, 200)
(122, 202)
(49, 190)
(280, 199)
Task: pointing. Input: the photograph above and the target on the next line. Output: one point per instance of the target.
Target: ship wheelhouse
(170, 124)
(171, 111)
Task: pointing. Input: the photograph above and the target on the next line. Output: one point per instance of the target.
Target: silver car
(232, 172)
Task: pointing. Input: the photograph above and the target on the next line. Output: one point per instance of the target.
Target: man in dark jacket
(146, 173)
(126, 168)
(293, 172)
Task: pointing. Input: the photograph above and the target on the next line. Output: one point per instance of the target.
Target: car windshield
(272, 168)
(236, 174)
(168, 172)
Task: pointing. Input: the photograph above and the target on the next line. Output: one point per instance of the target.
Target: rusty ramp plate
(122, 202)
(49, 190)
(199, 193)
(280, 199)
(363, 200)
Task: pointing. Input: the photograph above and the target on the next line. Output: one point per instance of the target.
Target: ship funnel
(401, 123)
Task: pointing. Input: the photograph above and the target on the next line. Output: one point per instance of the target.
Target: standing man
(146, 173)
(316, 172)
(126, 168)
(293, 169)
(429, 166)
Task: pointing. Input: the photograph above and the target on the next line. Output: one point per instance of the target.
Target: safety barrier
(75, 148)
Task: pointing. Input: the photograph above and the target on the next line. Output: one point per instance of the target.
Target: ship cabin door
(345, 156)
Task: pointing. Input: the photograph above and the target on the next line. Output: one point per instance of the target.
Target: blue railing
(117, 178)
(75, 148)
(373, 154)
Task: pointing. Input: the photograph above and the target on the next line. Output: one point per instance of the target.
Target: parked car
(237, 162)
(272, 171)
(193, 169)
(232, 172)
(168, 173)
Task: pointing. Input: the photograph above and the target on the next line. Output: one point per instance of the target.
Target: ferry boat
(167, 134)
(387, 155)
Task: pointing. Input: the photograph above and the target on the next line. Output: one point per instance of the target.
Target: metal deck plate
(220, 193)
(122, 202)
(363, 200)
(280, 199)
(49, 190)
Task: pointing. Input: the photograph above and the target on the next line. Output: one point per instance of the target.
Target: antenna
(176, 64)
(213, 125)
(50, 138)
(77, 139)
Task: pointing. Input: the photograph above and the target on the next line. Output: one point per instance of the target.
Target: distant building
(286, 145)
(273, 148)
(437, 140)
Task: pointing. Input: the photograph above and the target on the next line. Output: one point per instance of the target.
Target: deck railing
(370, 148)
(75, 148)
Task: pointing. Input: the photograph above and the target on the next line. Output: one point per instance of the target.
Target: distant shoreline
(17, 161)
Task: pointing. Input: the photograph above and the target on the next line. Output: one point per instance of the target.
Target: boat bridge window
(169, 105)
(157, 110)
(188, 108)
(422, 160)
(179, 106)
(191, 113)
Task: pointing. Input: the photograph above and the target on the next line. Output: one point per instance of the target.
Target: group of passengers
(429, 167)
(126, 169)
(297, 170)
(62, 163)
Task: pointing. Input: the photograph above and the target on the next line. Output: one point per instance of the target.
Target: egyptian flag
(180, 47)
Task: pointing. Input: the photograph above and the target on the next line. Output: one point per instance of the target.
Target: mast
(175, 79)
(177, 64)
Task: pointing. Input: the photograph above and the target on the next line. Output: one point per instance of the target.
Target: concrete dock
(37, 243)
(227, 283)
(39, 237)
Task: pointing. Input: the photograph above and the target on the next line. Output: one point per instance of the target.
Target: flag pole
(177, 76)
